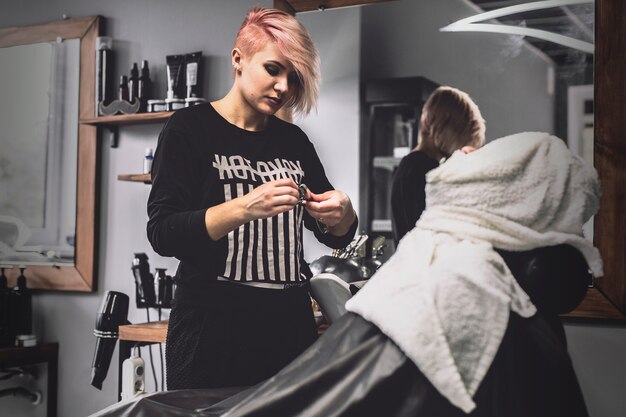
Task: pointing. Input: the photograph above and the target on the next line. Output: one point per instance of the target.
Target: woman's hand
(271, 198)
(332, 208)
(265, 201)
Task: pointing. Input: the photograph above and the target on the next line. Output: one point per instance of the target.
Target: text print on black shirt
(239, 167)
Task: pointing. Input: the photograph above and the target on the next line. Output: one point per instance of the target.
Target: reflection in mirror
(564, 31)
(48, 163)
(38, 163)
(522, 83)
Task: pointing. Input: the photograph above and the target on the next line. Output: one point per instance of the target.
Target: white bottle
(147, 161)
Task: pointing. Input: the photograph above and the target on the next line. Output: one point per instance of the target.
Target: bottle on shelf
(147, 161)
(21, 307)
(5, 317)
(133, 83)
(104, 71)
(145, 86)
(123, 88)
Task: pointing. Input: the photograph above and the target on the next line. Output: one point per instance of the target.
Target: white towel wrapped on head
(444, 297)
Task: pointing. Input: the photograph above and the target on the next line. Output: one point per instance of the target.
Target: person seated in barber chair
(463, 318)
(450, 121)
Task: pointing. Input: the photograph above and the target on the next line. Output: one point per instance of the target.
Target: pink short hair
(293, 41)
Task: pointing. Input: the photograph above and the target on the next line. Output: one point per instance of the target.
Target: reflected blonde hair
(451, 120)
(293, 41)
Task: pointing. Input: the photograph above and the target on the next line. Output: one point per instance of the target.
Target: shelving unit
(129, 119)
(389, 163)
(145, 178)
(390, 113)
(116, 120)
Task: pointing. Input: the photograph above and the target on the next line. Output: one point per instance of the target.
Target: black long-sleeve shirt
(201, 161)
(408, 192)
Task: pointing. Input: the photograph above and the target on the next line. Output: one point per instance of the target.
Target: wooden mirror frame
(81, 276)
(607, 299)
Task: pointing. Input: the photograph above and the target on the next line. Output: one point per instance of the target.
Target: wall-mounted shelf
(386, 162)
(297, 6)
(112, 122)
(129, 119)
(145, 178)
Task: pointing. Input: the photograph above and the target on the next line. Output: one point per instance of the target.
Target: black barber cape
(355, 370)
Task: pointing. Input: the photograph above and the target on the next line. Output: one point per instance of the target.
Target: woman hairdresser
(450, 121)
(226, 202)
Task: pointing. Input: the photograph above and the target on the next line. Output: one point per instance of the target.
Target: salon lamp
(113, 313)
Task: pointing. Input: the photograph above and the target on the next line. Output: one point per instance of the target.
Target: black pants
(234, 335)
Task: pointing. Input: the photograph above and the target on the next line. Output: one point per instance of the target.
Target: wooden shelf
(155, 332)
(297, 6)
(145, 178)
(129, 119)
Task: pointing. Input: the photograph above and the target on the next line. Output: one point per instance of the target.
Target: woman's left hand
(329, 208)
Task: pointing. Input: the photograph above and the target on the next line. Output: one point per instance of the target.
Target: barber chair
(337, 278)
(355, 370)
(331, 294)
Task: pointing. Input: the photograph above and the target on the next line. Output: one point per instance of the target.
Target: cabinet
(390, 116)
(47, 353)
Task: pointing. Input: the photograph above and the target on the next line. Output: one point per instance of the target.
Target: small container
(174, 103)
(192, 101)
(25, 340)
(156, 105)
(147, 161)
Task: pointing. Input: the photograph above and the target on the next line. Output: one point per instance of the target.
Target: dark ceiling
(576, 21)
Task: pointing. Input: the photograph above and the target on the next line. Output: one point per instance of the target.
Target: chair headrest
(556, 277)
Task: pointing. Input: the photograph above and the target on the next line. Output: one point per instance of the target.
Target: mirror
(49, 161)
(397, 39)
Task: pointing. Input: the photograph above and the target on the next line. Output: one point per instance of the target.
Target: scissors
(303, 192)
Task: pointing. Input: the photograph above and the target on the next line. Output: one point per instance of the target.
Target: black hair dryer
(113, 313)
(144, 281)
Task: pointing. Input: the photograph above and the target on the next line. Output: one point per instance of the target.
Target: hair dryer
(113, 313)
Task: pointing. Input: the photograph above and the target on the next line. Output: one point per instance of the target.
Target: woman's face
(266, 79)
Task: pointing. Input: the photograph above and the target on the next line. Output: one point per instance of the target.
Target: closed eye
(272, 70)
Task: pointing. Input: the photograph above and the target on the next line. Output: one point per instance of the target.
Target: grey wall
(501, 73)
(334, 129)
(150, 29)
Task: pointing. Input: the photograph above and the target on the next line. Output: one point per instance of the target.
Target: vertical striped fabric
(265, 249)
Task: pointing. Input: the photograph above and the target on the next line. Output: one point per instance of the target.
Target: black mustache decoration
(119, 106)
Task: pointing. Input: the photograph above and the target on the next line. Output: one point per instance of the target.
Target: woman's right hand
(271, 198)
